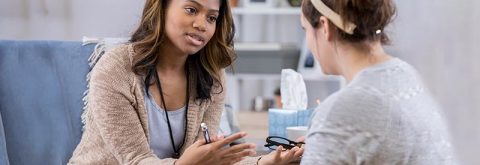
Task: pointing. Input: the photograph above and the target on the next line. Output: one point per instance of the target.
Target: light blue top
(384, 116)
(160, 141)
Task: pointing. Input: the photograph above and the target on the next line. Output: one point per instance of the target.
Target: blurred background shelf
(244, 88)
(266, 11)
(262, 46)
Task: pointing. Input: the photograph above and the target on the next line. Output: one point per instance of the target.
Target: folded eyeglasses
(274, 141)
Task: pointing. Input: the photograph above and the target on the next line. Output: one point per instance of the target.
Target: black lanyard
(177, 151)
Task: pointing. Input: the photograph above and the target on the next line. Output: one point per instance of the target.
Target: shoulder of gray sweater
(388, 79)
(354, 111)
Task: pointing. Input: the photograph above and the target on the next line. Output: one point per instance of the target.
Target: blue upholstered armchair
(41, 90)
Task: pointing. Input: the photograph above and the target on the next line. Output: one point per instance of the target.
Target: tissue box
(280, 119)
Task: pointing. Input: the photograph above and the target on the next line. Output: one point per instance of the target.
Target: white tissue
(293, 90)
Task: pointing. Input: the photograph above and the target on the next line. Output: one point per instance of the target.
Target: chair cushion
(3, 147)
(41, 89)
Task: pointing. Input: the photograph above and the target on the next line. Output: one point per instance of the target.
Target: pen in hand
(205, 132)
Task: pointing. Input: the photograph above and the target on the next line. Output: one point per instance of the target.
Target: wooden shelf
(261, 76)
(243, 46)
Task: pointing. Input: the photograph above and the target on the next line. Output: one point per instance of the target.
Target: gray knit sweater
(384, 116)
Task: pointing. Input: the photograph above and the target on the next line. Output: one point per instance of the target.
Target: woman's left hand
(279, 157)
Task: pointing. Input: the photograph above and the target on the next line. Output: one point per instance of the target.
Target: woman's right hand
(215, 152)
(280, 157)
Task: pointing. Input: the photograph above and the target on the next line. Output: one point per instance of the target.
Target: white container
(293, 133)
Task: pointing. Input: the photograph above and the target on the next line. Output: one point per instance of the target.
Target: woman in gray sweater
(385, 115)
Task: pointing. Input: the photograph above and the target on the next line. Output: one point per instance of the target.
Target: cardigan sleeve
(114, 111)
(214, 111)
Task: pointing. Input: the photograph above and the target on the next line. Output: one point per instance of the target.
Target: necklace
(159, 85)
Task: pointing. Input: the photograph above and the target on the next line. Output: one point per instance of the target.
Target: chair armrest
(3, 145)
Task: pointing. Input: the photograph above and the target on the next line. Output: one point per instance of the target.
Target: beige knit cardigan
(116, 126)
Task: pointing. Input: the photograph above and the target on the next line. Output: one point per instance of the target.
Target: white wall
(68, 19)
(439, 37)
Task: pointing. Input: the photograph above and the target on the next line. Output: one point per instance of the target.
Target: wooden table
(256, 126)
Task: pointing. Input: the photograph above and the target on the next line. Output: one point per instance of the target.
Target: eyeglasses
(274, 141)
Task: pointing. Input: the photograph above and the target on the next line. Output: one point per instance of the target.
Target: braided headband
(346, 26)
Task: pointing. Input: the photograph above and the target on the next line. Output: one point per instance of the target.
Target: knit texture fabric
(116, 126)
(384, 116)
